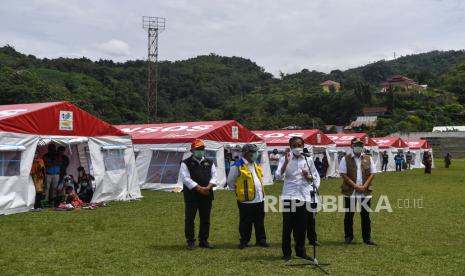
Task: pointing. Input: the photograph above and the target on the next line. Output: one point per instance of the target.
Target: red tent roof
(388, 142)
(281, 137)
(418, 144)
(55, 118)
(170, 133)
(345, 139)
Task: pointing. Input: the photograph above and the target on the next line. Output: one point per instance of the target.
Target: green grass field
(146, 237)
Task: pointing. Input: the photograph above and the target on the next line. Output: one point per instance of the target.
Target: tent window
(164, 167)
(211, 155)
(10, 163)
(113, 159)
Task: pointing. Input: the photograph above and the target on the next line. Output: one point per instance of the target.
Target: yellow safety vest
(245, 185)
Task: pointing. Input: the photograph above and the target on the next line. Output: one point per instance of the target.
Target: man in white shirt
(198, 176)
(274, 161)
(246, 179)
(357, 171)
(300, 180)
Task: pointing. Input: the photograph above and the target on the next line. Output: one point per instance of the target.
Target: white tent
(390, 145)
(161, 147)
(102, 149)
(417, 149)
(316, 141)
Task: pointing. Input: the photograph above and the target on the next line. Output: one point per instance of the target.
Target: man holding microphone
(299, 173)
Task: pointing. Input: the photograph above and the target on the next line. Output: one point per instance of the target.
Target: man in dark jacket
(198, 177)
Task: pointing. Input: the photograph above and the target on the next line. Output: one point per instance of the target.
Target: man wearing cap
(357, 171)
(198, 177)
(246, 179)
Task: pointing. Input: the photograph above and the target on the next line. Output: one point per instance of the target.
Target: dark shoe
(348, 241)
(286, 258)
(242, 245)
(305, 257)
(206, 244)
(315, 243)
(369, 242)
(262, 244)
(191, 245)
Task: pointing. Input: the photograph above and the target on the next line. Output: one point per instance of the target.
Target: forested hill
(213, 87)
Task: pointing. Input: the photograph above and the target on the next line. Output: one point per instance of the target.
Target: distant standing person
(274, 161)
(427, 162)
(325, 165)
(52, 173)
(408, 157)
(63, 160)
(198, 176)
(319, 166)
(38, 177)
(398, 161)
(447, 160)
(385, 161)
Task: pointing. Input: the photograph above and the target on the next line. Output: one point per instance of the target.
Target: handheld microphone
(306, 152)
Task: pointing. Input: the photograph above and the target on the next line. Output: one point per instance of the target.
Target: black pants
(384, 167)
(398, 167)
(349, 218)
(252, 214)
(295, 223)
(204, 207)
(38, 201)
(311, 232)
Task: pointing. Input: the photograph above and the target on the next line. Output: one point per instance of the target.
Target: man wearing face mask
(198, 177)
(246, 179)
(357, 171)
(299, 175)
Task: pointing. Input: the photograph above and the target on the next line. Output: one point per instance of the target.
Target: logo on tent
(66, 120)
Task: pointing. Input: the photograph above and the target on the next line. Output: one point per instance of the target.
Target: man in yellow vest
(246, 179)
(357, 171)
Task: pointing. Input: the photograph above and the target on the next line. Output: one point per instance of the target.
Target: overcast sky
(279, 35)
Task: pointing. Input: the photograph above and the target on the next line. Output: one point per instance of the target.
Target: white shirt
(234, 174)
(186, 175)
(274, 159)
(358, 163)
(296, 186)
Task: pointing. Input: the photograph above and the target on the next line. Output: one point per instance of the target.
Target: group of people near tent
(56, 154)
(118, 161)
(54, 186)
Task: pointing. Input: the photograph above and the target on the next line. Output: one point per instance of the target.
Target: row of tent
(125, 158)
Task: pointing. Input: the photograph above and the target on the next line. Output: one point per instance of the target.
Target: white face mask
(297, 151)
(358, 150)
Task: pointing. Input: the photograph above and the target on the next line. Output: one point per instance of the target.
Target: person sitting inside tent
(70, 200)
(84, 185)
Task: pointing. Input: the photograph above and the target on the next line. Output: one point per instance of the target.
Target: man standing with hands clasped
(357, 171)
(246, 179)
(198, 177)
